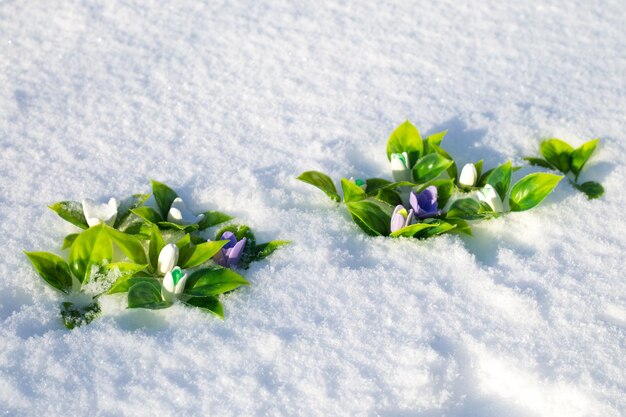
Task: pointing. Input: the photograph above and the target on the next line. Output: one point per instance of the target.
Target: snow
(227, 102)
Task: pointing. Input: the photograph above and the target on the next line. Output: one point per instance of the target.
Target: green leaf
(376, 184)
(372, 217)
(452, 170)
(393, 186)
(351, 191)
(91, 247)
(461, 226)
(479, 168)
(147, 213)
(68, 240)
(264, 250)
(187, 228)
(464, 208)
(438, 228)
(125, 270)
(539, 162)
(389, 197)
(53, 269)
(557, 153)
(482, 179)
(164, 197)
(135, 225)
(405, 138)
(321, 181)
(206, 282)
(213, 218)
(445, 189)
(500, 179)
(185, 241)
(580, 156)
(123, 284)
(156, 244)
(240, 232)
(196, 240)
(130, 245)
(434, 139)
(591, 188)
(532, 189)
(73, 316)
(430, 167)
(411, 230)
(72, 211)
(191, 256)
(146, 294)
(124, 210)
(211, 304)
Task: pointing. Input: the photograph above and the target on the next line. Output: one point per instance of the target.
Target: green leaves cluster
(427, 160)
(139, 233)
(561, 156)
(371, 205)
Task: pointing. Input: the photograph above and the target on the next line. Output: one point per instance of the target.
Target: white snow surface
(227, 102)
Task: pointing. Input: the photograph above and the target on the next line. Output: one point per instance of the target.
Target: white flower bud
(490, 196)
(168, 258)
(179, 213)
(96, 213)
(400, 167)
(173, 284)
(468, 176)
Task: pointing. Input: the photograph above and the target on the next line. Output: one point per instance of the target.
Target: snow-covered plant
(158, 263)
(90, 253)
(561, 156)
(427, 176)
(172, 213)
(91, 213)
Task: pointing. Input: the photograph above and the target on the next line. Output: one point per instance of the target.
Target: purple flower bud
(401, 218)
(424, 204)
(231, 237)
(231, 253)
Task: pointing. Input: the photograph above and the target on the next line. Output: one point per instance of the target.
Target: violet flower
(230, 254)
(424, 204)
(401, 218)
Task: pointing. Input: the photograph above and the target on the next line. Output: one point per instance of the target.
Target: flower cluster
(429, 197)
(166, 255)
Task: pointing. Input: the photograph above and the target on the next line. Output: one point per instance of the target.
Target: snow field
(227, 102)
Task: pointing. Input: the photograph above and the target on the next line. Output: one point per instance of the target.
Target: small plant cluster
(157, 255)
(429, 197)
(561, 156)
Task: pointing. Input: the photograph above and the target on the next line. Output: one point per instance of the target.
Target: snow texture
(227, 102)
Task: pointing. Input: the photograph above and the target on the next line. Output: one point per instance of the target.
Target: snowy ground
(228, 102)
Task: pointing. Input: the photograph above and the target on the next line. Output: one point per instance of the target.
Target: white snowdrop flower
(96, 213)
(179, 213)
(490, 196)
(173, 284)
(168, 258)
(468, 176)
(400, 167)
